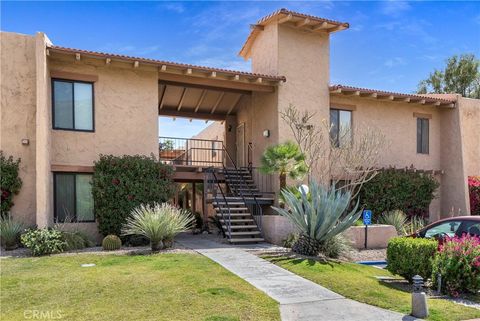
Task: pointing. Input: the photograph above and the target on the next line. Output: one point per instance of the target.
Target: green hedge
(10, 182)
(122, 183)
(408, 256)
(393, 189)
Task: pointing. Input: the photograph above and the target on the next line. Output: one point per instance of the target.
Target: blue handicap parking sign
(367, 217)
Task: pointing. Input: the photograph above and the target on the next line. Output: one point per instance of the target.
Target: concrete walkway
(299, 299)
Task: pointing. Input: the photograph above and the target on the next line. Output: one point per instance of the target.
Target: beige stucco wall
(470, 126)
(18, 101)
(126, 117)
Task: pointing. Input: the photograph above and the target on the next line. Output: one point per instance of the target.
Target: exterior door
(241, 145)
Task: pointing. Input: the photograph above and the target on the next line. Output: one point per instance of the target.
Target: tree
(461, 76)
(284, 159)
(349, 165)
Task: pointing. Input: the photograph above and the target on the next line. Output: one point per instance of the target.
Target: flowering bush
(458, 263)
(10, 182)
(474, 190)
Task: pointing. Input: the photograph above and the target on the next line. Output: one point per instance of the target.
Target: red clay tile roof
(429, 98)
(284, 12)
(163, 62)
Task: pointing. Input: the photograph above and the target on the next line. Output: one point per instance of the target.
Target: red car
(453, 226)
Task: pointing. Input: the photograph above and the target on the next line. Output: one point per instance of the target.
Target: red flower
(115, 181)
(130, 197)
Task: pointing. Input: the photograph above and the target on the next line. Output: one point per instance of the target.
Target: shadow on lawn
(293, 258)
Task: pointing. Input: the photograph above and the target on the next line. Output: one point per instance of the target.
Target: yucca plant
(396, 218)
(416, 223)
(319, 217)
(158, 222)
(10, 233)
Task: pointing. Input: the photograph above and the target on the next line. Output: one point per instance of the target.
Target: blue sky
(390, 45)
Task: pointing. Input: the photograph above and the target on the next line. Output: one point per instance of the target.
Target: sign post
(367, 220)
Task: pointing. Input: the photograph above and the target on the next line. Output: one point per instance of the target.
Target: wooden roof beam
(285, 19)
(219, 99)
(320, 26)
(180, 103)
(162, 100)
(186, 114)
(234, 104)
(200, 101)
(302, 23)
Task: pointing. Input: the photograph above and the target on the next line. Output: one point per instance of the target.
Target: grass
(358, 282)
(150, 287)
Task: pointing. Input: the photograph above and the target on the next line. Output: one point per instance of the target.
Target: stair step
(234, 214)
(245, 233)
(239, 227)
(228, 204)
(247, 240)
(239, 220)
(233, 209)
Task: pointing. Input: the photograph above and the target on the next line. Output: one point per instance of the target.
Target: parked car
(454, 226)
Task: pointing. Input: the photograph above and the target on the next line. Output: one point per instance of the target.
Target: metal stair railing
(256, 210)
(212, 179)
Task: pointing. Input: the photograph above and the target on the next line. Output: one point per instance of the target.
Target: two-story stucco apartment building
(62, 107)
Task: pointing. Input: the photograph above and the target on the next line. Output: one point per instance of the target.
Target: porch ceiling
(200, 102)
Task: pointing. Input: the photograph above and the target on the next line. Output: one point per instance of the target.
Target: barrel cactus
(111, 243)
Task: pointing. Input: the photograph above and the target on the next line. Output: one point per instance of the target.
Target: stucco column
(44, 199)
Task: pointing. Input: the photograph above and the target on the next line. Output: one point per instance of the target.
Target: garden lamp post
(419, 298)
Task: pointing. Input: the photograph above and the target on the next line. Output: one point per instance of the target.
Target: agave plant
(396, 218)
(158, 222)
(319, 217)
(10, 233)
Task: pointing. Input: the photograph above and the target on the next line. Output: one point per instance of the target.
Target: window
(447, 228)
(422, 135)
(73, 198)
(340, 127)
(72, 105)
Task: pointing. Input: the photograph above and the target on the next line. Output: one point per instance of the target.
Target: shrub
(122, 183)
(111, 243)
(335, 246)
(75, 240)
(10, 233)
(474, 192)
(159, 222)
(43, 241)
(10, 183)
(458, 263)
(318, 218)
(410, 256)
(408, 191)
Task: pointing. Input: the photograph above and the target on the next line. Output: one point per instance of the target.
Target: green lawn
(358, 282)
(153, 287)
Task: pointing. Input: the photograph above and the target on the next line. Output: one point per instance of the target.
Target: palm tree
(284, 159)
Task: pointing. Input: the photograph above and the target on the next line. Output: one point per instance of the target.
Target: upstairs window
(422, 135)
(73, 198)
(340, 127)
(72, 105)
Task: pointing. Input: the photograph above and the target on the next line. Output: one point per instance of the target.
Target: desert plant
(285, 159)
(10, 231)
(43, 241)
(10, 183)
(120, 184)
(111, 243)
(458, 263)
(75, 240)
(158, 222)
(416, 223)
(335, 246)
(396, 218)
(319, 218)
(408, 256)
(290, 240)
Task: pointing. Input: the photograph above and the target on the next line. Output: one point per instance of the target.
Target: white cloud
(173, 6)
(395, 61)
(394, 8)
